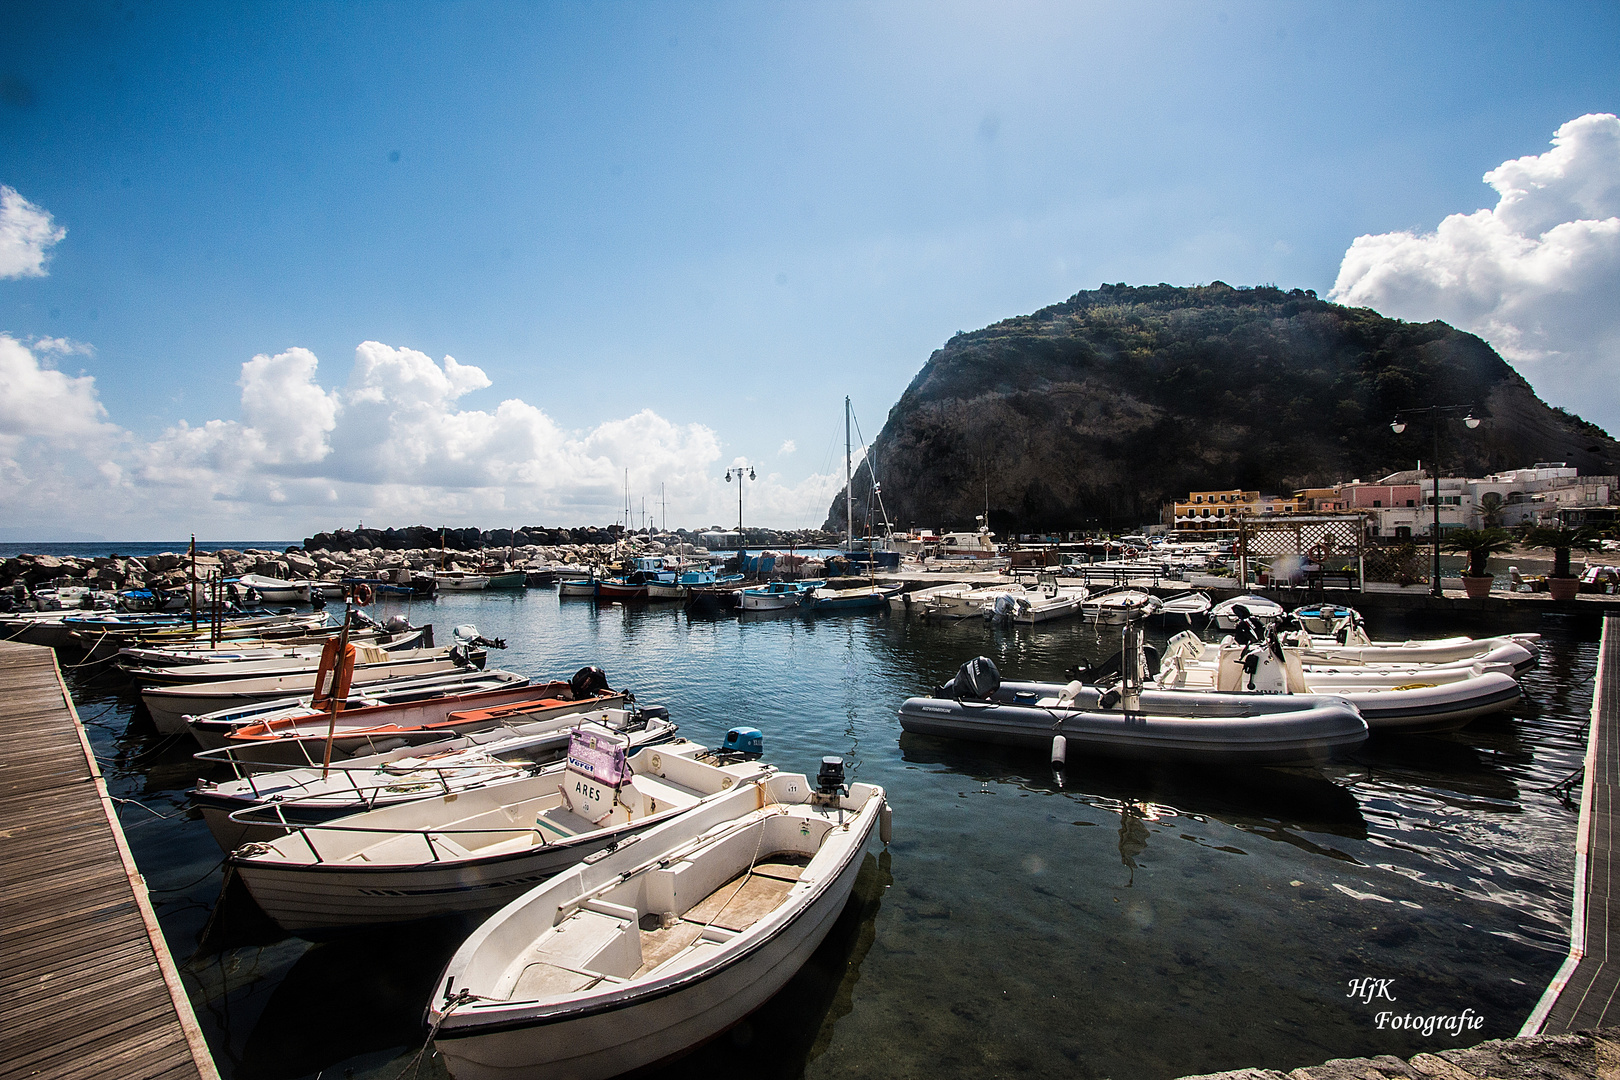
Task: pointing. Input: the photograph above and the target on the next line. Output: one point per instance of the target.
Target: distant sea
(135, 548)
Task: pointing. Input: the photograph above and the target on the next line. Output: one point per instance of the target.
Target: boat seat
(666, 793)
(559, 823)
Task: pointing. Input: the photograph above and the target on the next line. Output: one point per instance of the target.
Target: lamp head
(1397, 427)
(751, 468)
(1470, 421)
(728, 476)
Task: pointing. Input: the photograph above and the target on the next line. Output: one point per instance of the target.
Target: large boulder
(299, 564)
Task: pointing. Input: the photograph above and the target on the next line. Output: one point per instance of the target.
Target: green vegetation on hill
(1093, 412)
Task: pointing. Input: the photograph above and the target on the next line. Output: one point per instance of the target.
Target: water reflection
(1034, 927)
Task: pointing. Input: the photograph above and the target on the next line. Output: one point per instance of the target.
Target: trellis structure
(1335, 542)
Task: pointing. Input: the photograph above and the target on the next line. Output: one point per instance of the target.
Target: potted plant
(1561, 583)
(1479, 545)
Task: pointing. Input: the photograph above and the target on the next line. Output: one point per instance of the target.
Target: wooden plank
(88, 987)
(1584, 992)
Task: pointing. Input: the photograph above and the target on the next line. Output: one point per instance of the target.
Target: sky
(279, 268)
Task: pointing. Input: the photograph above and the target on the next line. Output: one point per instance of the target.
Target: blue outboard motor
(745, 742)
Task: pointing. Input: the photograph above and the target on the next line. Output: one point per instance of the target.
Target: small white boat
(275, 590)
(476, 850)
(458, 581)
(1119, 605)
(1226, 615)
(776, 595)
(577, 585)
(916, 600)
(1187, 607)
(1040, 604)
(170, 705)
(650, 951)
(314, 794)
(970, 601)
(426, 697)
(1394, 699)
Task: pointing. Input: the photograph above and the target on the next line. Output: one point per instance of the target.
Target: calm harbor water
(1137, 923)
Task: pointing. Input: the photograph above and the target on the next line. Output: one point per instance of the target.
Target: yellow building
(1204, 512)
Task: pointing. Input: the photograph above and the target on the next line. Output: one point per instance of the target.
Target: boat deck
(1583, 993)
(88, 988)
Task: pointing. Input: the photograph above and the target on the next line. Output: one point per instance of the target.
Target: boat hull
(651, 1023)
(1210, 728)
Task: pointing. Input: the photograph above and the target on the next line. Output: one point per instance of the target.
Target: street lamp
(1435, 413)
(741, 473)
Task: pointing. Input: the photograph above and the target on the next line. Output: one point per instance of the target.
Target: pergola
(1320, 538)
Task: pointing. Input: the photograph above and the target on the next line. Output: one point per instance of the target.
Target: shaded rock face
(1094, 412)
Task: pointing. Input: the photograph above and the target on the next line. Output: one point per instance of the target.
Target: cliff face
(1093, 412)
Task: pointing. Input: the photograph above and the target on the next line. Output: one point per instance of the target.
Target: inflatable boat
(1152, 725)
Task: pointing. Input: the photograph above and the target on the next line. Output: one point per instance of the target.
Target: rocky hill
(1094, 412)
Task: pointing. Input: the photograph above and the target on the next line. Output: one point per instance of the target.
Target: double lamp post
(1435, 413)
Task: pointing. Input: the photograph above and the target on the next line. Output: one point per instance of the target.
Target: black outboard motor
(588, 682)
(978, 678)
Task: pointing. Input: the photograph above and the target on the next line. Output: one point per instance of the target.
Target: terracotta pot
(1563, 588)
(1477, 588)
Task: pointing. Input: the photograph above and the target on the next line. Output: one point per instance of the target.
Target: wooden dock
(87, 986)
(1583, 993)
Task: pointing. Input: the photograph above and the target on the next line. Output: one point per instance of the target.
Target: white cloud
(787, 448)
(37, 401)
(392, 446)
(1536, 276)
(26, 234)
(62, 346)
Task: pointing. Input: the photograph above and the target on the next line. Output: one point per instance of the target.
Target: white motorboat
(276, 590)
(302, 739)
(299, 662)
(970, 601)
(1226, 615)
(458, 581)
(425, 698)
(776, 595)
(1118, 605)
(314, 794)
(478, 849)
(1410, 698)
(170, 705)
(916, 599)
(175, 656)
(639, 956)
(1042, 603)
(1187, 608)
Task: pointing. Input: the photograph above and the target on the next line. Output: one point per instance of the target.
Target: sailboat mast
(849, 490)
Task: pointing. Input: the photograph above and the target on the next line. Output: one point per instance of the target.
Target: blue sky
(690, 227)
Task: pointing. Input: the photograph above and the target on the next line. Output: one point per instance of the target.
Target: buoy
(1060, 751)
(886, 823)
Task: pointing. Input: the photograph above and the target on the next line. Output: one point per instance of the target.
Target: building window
(1378, 502)
(1409, 502)
(1221, 512)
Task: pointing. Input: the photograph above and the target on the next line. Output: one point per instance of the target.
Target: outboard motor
(1265, 665)
(1004, 608)
(466, 636)
(830, 789)
(978, 678)
(588, 682)
(744, 743)
(396, 624)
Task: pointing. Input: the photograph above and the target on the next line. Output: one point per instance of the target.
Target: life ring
(361, 594)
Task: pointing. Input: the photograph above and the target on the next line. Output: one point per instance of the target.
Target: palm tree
(1561, 540)
(1479, 545)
